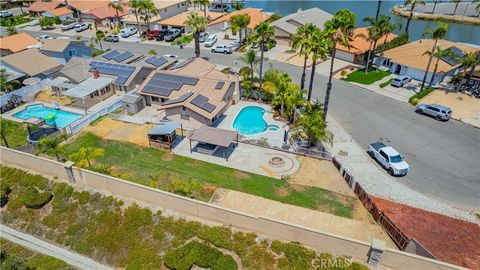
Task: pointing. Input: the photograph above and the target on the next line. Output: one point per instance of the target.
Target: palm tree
(438, 53)
(240, 22)
(340, 30)
(472, 69)
(467, 61)
(311, 126)
(279, 84)
(205, 4)
(250, 58)
(135, 5)
(318, 46)
(379, 4)
(456, 5)
(118, 8)
(237, 6)
(437, 33)
(149, 9)
(412, 3)
(99, 36)
(294, 100)
(197, 24)
(51, 144)
(263, 32)
(6, 127)
(300, 41)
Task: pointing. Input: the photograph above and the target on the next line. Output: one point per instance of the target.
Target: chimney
(96, 74)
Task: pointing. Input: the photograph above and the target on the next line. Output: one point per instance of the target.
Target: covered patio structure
(164, 134)
(211, 139)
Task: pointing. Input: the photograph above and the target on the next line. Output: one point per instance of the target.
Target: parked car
(439, 112)
(62, 38)
(44, 37)
(400, 81)
(152, 33)
(388, 158)
(211, 39)
(203, 36)
(171, 56)
(81, 27)
(5, 14)
(161, 34)
(218, 8)
(222, 49)
(127, 32)
(67, 25)
(112, 38)
(34, 22)
(173, 34)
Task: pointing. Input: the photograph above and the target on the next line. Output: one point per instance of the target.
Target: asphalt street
(444, 156)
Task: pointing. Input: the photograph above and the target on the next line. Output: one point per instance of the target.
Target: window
(155, 99)
(162, 100)
(384, 155)
(72, 52)
(184, 108)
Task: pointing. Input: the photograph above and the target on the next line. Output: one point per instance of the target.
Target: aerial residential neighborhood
(238, 134)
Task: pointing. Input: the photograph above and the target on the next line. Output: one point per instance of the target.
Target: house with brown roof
(410, 59)
(62, 13)
(39, 7)
(81, 6)
(63, 50)
(193, 92)
(223, 24)
(16, 43)
(359, 46)
(178, 21)
(104, 16)
(32, 63)
(165, 9)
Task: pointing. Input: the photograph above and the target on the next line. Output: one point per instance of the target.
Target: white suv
(211, 39)
(81, 27)
(222, 49)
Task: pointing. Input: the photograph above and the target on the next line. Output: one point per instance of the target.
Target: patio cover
(214, 136)
(164, 128)
(88, 86)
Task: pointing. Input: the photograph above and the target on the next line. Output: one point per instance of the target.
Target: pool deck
(10, 114)
(274, 138)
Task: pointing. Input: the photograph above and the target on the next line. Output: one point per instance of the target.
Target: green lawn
(418, 96)
(140, 164)
(16, 135)
(15, 20)
(372, 76)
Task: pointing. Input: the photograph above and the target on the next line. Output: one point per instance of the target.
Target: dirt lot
(48, 96)
(110, 129)
(464, 107)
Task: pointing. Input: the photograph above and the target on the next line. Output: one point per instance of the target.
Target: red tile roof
(43, 6)
(106, 12)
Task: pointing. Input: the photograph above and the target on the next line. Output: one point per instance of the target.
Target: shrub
(152, 52)
(4, 192)
(416, 98)
(183, 40)
(382, 85)
(185, 188)
(34, 199)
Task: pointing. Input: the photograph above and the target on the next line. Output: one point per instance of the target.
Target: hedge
(415, 98)
(34, 199)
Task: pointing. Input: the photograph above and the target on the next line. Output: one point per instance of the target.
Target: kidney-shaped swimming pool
(250, 121)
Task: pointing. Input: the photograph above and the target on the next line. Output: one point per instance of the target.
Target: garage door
(344, 56)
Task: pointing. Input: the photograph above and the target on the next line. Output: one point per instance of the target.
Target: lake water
(456, 32)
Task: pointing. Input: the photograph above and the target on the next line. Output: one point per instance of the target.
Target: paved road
(444, 157)
(41, 246)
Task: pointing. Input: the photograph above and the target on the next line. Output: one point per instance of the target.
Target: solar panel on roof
(182, 98)
(160, 61)
(453, 60)
(111, 54)
(122, 57)
(202, 102)
(150, 89)
(219, 85)
(176, 78)
(122, 72)
(121, 79)
(151, 59)
(208, 107)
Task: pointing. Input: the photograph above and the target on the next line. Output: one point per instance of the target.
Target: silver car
(439, 112)
(400, 81)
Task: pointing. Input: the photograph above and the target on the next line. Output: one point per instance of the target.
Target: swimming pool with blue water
(52, 117)
(250, 121)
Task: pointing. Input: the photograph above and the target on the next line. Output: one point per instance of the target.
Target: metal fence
(26, 93)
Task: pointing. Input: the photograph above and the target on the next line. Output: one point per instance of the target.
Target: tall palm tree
(456, 5)
(467, 61)
(379, 4)
(118, 6)
(197, 24)
(294, 100)
(263, 32)
(205, 4)
(147, 7)
(135, 5)
(437, 54)
(472, 69)
(300, 41)
(238, 23)
(250, 58)
(436, 34)
(311, 126)
(413, 3)
(279, 84)
(340, 30)
(318, 48)
(98, 37)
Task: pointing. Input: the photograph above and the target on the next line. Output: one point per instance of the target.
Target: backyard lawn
(16, 134)
(15, 20)
(372, 76)
(144, 165)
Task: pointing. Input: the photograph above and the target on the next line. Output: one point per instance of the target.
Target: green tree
(318, 47)
(197, 24)
(239, 23)
(300, 41)
(294, 100)
(149, 9)
(340, 30)
(437, 54)
(250, 58)
(99, 36)
(277, 83)
(205, 4)
(412, 4)
(438, 33)
(152, 52)
(468, 61)
(118, 7)
(311, 126)
(263, 32)
(136, 5)
(237, 6)
(11, 30)
(46, 22)
(472, 68)
(6, 85)
(50, 144)
(87, 155)
(5, 128)
(456, 5)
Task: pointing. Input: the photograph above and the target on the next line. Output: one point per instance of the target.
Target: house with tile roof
(165, 9)
(63, 50)
(104, 16)
(32, 63)
(16, 43)
(38, 8)
(82, 6)
(359, 47)
(410, 59)
(62, 13)
(193, 92)
(178, 21)
(223, 24)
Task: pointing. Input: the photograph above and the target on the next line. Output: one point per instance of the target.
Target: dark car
(112, 38)
(161, 34)
(173, 34)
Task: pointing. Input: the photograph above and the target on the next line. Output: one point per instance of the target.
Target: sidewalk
(377, 182)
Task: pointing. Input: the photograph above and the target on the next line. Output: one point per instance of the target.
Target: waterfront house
(32, 63)
(64, 49)
(410, 59)
(178, 21)
(103, 16)
(287, 26)
(62, 13)
(222, 24)
(16, 43)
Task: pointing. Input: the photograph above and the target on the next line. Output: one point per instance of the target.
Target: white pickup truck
(389, 158)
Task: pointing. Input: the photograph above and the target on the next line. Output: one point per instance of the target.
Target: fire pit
(276, 162)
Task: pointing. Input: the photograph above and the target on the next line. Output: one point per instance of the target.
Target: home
(165, 9)
(104, 16)
(39, 7)
(357, 53)
(287, 26)
(194, 92)
(178, 21)
(32, 63)
(410, 59)
(91, 91)
(63, 50)
(16, 43)
(81, 6)
(223, 24)
(62, 13)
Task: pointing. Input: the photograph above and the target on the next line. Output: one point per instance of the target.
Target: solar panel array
(163, 84)
(122, 72)
(219, 85)
(182, 98)
(202, 102)
(453, 60)
(156, 61)
(117, 56)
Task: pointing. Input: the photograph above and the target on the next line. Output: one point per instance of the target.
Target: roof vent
(96, 74)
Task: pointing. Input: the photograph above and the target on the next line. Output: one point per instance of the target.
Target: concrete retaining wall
(275, 229)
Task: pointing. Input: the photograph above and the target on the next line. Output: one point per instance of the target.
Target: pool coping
(10, 115)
